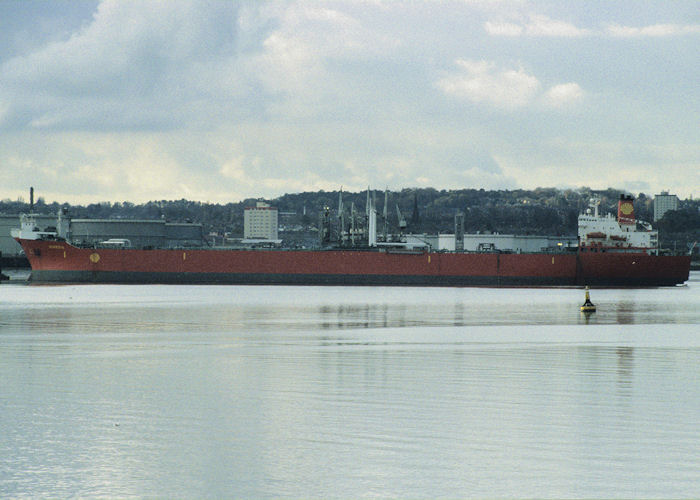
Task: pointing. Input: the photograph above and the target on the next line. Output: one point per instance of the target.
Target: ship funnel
(625, 210)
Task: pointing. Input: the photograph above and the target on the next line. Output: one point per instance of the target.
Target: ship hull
(124, 277)
(60, 262)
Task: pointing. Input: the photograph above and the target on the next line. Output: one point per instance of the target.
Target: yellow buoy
(588, 306)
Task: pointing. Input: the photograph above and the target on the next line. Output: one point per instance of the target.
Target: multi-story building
(260, 222)
(663, 203)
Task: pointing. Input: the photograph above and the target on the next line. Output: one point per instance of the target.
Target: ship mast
(352, 223)
(341, 217)
(386, 217)
(372, 223)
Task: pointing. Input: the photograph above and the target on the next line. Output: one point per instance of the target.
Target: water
(226, 391)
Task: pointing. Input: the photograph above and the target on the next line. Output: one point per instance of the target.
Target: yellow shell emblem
(627, 208)
(94, 257)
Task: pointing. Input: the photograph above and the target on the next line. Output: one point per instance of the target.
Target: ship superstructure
(624, 234)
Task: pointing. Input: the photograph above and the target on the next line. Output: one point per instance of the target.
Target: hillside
(426, 210)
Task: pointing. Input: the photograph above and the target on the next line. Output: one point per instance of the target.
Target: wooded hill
(426, 210)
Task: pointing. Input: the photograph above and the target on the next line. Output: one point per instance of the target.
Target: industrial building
(664, 202)
(182, 235)
(94, 232)
(138, 233)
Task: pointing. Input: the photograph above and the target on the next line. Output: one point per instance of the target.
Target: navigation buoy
(588, 306)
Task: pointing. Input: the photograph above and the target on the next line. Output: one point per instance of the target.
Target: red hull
(54, 261)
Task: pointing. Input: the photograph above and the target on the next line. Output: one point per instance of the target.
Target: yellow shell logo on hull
(94, 258)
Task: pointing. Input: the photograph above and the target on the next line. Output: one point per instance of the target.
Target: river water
(235, 391)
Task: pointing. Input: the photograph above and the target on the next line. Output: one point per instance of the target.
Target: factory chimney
(31, 200)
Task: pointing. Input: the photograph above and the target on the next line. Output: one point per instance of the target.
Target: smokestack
(31, 199)
(625, 210)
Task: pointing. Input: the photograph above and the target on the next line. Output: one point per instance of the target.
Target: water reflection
(279, 392)
(458, 314)
(625, 366)
(586, 318)
(334, 308)
(302, 317)
(625, 312)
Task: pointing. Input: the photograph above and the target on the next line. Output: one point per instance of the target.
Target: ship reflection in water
(226, 391)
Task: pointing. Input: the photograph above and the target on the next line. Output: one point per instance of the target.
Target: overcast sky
(120, 100)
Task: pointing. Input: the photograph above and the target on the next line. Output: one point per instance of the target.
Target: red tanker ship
(612, 253)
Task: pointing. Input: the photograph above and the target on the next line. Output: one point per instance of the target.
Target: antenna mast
(386, 217)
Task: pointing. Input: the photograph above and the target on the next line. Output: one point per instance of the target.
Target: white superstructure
(28, 229)
(605, 233)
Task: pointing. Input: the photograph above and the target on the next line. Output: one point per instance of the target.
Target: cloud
(174, 64)
(543, 26)
(287, 64)
(97, 166)
(537, 26)
(133, 65)
(309, 35)
(4, 110)
(503, 29)
(484, 82)
(656, 30)
(564, 94)
(127, 47)
(219, 100)
(246, 174)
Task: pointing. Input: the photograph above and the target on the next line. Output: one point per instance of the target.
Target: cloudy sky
(118, 100)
